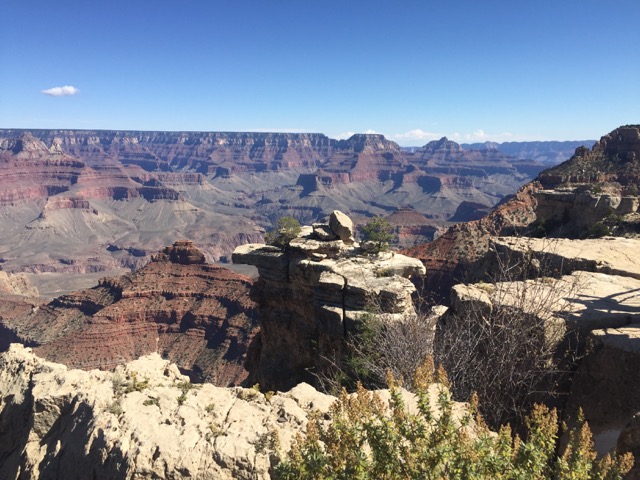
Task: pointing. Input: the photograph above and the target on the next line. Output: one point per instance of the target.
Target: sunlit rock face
(311, 295)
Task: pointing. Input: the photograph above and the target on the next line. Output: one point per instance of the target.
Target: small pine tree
(287, 228)
(379, 232)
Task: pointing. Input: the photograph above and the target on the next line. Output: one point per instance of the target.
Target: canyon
(289, 320)
(86, 203)
(197, 315)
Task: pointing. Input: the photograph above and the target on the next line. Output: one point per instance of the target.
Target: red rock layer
(198, 315)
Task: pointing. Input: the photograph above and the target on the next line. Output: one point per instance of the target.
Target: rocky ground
(145, 420)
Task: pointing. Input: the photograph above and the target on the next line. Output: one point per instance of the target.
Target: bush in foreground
(368, 438)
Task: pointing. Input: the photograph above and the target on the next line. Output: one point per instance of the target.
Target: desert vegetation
(369, 438)
(377, 233)
(286, 229)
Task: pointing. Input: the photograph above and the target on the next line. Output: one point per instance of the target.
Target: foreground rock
(197, 315)
(145, 421)
(312, 296)
(610, 255)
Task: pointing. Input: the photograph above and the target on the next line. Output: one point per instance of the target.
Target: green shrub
(598, 230)
(368, 438)
(287, 228)
(379, 232)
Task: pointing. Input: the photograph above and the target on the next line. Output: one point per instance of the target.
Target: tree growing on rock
(378, 232)
(286, 229)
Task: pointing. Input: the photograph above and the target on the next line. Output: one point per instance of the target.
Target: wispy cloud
(481, 136)
(345, 135)
(413, 137)
(64, 91)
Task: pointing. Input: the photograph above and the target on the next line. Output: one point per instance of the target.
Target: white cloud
(417, 134)
(65, 91)
(481, 136)
(345, 135)
(421, 137)
(369, 132)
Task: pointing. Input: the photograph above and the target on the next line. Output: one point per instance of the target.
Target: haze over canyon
(89, 202)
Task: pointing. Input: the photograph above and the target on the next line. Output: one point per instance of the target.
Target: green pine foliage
(379, 232)
(286, 229)
(369, 438)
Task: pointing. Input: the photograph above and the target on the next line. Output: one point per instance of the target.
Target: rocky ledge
(589, 287)
(313, 294)
(145, 420)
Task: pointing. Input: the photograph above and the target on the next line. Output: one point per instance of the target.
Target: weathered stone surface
(323, 232)
(607, 388)
(584, 300)
(611, 255)
(146, 421)
(271, 262)
(306, 315)
(342, 226)
(154, 431)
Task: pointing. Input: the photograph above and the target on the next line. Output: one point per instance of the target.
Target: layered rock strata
(198, 315)
(312, 295)
(590, 195)
(68, 196)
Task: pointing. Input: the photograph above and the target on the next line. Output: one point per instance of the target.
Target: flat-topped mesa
(183, 252)
(313, 293)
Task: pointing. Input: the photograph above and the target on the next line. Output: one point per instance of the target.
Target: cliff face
(195, 314)
(313, 294)
(81, 201)
(593, 193)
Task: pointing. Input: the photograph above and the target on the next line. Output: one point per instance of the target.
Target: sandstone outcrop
(590, 195)
(145, 420)
(197, 315)
(311, 296)
(594, 294)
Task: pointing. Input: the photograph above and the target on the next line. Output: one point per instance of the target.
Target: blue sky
(414, 70)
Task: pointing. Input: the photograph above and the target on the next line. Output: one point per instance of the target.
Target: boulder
(342, 226)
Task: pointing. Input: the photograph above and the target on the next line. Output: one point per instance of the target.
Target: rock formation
(312, 295)
(197, 315)
(145, 420)
(592, 194)
(594, 295)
